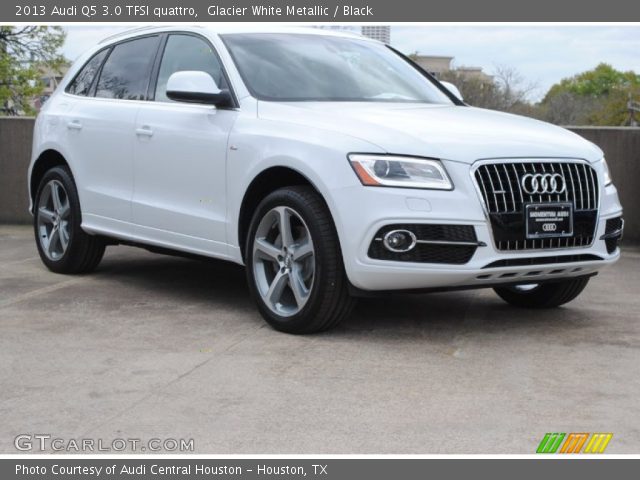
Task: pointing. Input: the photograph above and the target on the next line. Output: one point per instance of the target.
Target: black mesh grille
(444, 233)
(613, 226)
(501, 187)
(428, 252)
(425, 253)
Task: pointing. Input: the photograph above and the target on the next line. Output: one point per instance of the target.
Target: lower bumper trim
(524, 262)
(357, 292)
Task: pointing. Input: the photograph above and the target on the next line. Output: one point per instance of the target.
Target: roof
(235, 28)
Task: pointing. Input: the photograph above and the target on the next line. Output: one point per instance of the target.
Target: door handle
(74, 125)
(144, 131)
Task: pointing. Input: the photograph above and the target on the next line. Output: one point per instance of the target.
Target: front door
(180, 157)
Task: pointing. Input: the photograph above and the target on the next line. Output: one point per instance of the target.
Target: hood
(463, 134)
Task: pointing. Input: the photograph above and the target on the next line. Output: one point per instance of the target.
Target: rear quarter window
(81, 84)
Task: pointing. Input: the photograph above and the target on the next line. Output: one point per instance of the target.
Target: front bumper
(376, 207)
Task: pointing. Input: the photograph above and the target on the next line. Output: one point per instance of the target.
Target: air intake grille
(505, 197)
(447, 244)
(613, 233)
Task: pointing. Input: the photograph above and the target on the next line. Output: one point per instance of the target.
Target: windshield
(307, 67)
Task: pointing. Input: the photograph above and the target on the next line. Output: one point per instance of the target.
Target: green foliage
(602, 80)
(594, 97)
(25, 52)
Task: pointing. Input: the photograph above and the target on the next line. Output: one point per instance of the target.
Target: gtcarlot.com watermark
(28, 442)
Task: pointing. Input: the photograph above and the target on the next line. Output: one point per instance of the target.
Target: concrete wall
(15, 153)
(621, 147)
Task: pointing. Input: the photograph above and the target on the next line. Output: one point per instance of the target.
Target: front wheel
(543, 295)
(294, 263)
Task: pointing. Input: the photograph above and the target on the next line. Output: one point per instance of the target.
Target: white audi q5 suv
(330, 165)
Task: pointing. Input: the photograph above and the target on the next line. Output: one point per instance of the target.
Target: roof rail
(127, 32)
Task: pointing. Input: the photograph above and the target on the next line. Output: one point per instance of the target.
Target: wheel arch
(46, 160)
(264, 183)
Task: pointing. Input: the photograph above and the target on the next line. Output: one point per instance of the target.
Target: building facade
(437, 65)
(382, 33)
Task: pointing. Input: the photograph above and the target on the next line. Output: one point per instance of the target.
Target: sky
(543, 55)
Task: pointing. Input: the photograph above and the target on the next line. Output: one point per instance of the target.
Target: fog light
(399, 241)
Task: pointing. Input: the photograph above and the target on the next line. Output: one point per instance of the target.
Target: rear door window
(125, 74)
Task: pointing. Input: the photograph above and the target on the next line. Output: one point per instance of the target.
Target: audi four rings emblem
(539, 183)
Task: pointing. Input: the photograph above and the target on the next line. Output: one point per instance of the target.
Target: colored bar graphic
(598, 443)
(574, 442)
(550, 443)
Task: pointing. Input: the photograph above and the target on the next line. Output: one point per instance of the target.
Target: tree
(25, 51)
(595, 97)
(565, 108)
(506, 90)
(514, 89)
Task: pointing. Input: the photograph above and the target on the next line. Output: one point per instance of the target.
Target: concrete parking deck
(153, 346)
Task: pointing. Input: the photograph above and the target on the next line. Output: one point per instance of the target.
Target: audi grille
(507, 187)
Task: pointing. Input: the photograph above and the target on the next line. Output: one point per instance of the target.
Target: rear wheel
(63, 246)
(294, 263)
(543, 295)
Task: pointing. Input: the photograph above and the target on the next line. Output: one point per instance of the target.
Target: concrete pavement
(152, 346)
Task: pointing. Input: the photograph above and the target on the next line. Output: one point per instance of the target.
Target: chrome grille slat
(502, 190)
(500, 186)
(583, 176)
(553, 170)
(515, 170)
(577, 168)
(594, 183)
(588, 187)
(566, 190)
(590, 174)
(541, 197)
(573, 186)
(493, 190)
(513, 197)
(544, 170)
(484, 190)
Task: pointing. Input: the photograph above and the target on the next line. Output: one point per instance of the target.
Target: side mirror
(453, 89)
(196, 87)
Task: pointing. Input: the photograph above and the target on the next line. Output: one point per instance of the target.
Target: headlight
(395, 171)
(606, 173)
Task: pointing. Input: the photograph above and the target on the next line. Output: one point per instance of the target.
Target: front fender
(317, 154)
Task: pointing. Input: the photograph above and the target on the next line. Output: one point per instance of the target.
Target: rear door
(180, 155)
(101, 129)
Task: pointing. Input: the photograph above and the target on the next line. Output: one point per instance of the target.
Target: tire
(320, 299)
(545, 295)
(57, 206)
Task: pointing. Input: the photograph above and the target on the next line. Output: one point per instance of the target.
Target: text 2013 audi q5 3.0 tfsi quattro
(330, 165)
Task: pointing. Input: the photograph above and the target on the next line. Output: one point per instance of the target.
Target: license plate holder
(549, 220)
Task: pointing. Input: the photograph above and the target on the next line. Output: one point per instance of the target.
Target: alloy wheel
(53, 220)
(283, 261)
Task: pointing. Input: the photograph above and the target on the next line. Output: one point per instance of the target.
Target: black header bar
(320, 11)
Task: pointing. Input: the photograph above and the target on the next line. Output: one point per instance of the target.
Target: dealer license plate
(549, 220)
